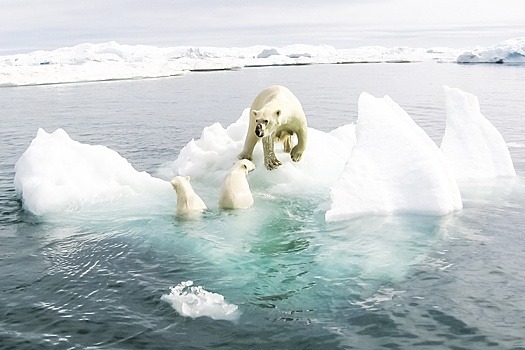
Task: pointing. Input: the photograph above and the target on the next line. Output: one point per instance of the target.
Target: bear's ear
(254, 112)
(278, 112)
(187, 178)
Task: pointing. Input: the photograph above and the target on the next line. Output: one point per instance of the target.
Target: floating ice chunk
(474, 148)
(208, 159)
(57, 174)
(195, 301)
(508, 51)
(394, 167)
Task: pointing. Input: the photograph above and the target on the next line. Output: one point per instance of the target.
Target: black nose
(259, 131)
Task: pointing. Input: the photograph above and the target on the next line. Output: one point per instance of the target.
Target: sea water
(127, 274)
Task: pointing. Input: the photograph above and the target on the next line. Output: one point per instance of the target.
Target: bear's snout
(259, 131)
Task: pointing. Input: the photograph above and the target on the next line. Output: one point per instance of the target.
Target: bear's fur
(188, 202)
(235, 191)
(276, 114)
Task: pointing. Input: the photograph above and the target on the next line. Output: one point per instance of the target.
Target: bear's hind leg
(297, 152)
(286, 139)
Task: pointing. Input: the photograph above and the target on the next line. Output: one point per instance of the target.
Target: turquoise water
(95, 278)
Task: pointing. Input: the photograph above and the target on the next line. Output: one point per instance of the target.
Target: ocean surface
(100, 278)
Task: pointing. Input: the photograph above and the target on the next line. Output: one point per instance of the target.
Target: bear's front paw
(296, 154)
(244, 155)
(272, 163)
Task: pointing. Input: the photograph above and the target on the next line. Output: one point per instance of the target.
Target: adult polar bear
(276, 114)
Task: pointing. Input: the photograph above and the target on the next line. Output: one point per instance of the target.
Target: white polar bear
(188, 202)
(276, 114)
(235, 191)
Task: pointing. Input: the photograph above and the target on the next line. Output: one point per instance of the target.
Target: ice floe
(194, 301)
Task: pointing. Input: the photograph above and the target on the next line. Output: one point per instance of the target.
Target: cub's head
(243, 165)
(181, 184)
(266, 121)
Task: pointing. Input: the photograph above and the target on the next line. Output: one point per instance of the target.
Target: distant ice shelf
(114, 61)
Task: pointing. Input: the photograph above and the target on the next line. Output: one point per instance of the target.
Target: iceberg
(508, 51)
(58, 174)
(114, 61)
(475, 149)
(393, 168)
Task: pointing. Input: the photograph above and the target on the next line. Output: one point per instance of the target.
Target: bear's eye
(278, 113)
(265, 121)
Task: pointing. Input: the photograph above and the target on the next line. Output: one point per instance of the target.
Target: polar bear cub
(276, 114)
(235, 191)
(188, 202)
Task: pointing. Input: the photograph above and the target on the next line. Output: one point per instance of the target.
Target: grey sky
(35, 24)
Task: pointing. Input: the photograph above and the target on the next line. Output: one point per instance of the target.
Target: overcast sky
(27, 25)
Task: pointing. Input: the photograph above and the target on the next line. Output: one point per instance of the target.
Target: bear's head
(181, 184)
(244, 165)
(266, 121)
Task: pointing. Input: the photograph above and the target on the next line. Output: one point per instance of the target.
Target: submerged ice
(383, 164)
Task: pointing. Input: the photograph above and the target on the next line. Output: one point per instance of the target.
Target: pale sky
(27, 25)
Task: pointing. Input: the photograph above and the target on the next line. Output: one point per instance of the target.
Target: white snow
(474, 148)
(110, 61)
(508, 51)
(195, 301)
(394, 167)
(58, 174)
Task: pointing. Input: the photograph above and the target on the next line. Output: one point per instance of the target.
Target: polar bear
(188, 202)
(276, 114)
(235, 191)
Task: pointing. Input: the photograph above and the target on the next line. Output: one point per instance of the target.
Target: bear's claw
(272, 163)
